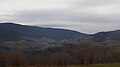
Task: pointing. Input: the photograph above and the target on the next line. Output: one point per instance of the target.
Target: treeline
(65, 55)
(12, 58)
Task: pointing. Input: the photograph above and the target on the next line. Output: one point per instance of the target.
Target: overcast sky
(88, 16)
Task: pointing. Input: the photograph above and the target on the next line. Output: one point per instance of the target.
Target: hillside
(110, 35)
(11, 31)
(30, 45)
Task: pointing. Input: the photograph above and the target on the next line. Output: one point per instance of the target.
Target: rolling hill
(11, 31)
(110, 35)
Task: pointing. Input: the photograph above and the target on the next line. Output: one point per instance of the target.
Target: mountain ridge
(102, 36)
(11, 30)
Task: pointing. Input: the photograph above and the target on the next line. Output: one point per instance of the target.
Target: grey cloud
(82, 15)
(93, 3)
(65, 15)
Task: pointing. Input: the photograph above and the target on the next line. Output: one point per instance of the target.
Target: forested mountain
(30, 45)
(102, 36)
(11, 31)
(23, 37)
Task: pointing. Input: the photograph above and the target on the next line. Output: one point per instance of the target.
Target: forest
(75, 52)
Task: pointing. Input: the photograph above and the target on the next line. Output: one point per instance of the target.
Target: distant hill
(102, 36)
(11, 31)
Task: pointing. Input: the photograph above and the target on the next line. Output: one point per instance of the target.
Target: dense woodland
(66, 52)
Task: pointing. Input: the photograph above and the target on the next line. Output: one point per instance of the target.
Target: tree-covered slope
(11, 31)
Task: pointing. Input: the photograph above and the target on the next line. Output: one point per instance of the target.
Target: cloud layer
(88, 16)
